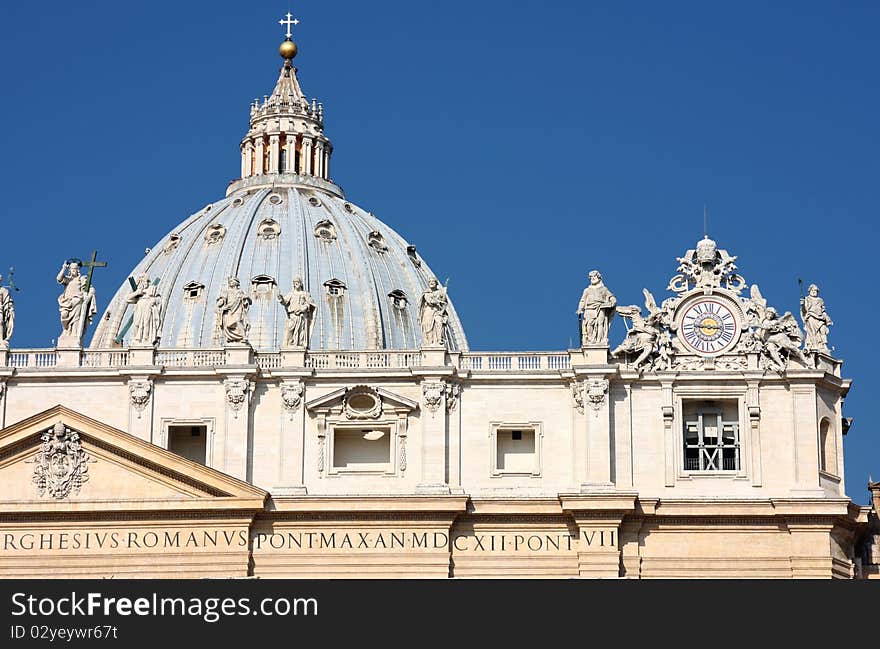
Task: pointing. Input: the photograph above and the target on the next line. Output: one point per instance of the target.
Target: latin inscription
(302, 540)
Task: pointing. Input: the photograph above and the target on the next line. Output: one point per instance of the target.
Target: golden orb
(287, 50)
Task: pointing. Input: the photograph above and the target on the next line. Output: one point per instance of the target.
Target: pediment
(61, 459)
(354, 402)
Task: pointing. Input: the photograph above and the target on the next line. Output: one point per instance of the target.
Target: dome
(284, 218)
(364, 277)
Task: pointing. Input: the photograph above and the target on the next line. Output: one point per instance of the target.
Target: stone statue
(7, 316)
(596, 309)
(147, 318)
(816, 320)
(645, 333)
(300, 309)
(76, 305)
(433, 316)
(232, 312)
(781, 335)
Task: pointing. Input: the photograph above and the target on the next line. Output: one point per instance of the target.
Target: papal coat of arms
(61, 465)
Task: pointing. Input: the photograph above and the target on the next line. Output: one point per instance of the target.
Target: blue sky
(517, 144)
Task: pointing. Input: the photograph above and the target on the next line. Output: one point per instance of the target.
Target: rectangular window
(516, 449)
(711, 436)
(188, 441)
(362, 449)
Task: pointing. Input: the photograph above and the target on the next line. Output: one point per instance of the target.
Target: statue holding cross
(76, 305)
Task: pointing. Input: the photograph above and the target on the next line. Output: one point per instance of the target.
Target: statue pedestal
(67, 354)
(293, 357)
(596, 354)
(4, 352)
(434, 356)
(239, 354)
(141, 355)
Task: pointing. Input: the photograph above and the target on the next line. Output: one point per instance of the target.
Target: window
(398, 299)
(516, 449)
(413, 256)
(362, 449)
(711, 436)
(193, 291)
(189, 441)
(263, 287)
(173, 242)
(268, 229)
(334, 288)
(827, 448)
(214, 234)
(376, 241)
(325, 231)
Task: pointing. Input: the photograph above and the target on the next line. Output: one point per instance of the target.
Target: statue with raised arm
(816, 320)
(232, 312)
(596, 309)
(433, 316)
(147, 318)
(76, 305)
(7, 315)
(300, 308)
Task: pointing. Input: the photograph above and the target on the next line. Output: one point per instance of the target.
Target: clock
(709, 326)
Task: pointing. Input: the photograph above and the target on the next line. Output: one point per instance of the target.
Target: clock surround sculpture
(708, 317)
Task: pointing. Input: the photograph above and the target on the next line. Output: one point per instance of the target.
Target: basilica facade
(282, 388)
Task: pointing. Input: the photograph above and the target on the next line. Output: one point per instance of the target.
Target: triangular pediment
(355, 401)
(84, 464)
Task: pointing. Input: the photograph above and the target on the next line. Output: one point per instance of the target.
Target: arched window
(263, 287)
(827, 447)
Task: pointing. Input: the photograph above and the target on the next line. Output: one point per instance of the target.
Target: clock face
(709, 327)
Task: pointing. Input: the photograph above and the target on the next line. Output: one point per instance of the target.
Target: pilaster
(433, 442)
(805, 426)
(598, 518)
(811, 550)
(596, 386)
(291, 461)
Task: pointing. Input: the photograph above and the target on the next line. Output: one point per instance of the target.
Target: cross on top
(92, 264)
(289, 22)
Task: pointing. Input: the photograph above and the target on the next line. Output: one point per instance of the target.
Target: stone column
(258, 156)
(325, 167)
(319, 159)
(274, 153)
(305, 158)
(433, 441)
(248, 169)
(290, 147)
